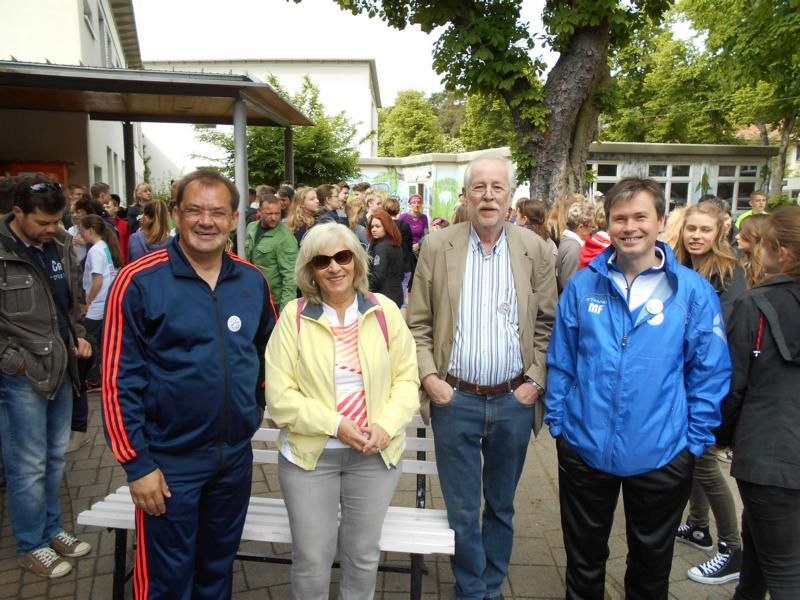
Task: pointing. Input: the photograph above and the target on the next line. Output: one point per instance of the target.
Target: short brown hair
(391, 205)
(207, 178)
(627, 188)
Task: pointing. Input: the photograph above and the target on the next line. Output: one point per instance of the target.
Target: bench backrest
(416, 441)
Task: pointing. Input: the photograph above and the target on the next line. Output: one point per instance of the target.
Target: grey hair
(510, 168)
(319, 240)
(580, 213)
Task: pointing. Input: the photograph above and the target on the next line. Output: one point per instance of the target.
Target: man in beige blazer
(481, 311)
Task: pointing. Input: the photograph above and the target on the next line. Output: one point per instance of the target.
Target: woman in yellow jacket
(342, 385)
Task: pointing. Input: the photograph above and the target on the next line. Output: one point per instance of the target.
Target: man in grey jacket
(580, 225)
(40, 341)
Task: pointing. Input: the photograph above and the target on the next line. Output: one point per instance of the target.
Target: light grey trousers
(363, 487)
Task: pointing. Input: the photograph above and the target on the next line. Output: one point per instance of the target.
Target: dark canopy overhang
(142, 95)
(129, 95)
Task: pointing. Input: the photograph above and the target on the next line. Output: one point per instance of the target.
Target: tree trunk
(776, 179)
(762, 132)
(585, 131)
(568, 96)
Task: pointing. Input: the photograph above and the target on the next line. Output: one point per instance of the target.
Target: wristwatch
(534, 384)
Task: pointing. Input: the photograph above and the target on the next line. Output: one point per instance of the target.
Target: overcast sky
(252, 29)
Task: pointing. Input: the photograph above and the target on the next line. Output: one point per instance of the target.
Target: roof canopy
(143, 95)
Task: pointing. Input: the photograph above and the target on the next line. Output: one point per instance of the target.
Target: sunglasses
(44, 187)
(322, 261)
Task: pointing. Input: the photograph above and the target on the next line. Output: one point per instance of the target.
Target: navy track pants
(188, 552)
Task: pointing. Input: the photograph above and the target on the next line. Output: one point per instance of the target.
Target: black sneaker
(699, 537)
(723, 568)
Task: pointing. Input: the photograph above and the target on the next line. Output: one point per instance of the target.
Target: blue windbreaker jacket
(183, 366)
(630, 391)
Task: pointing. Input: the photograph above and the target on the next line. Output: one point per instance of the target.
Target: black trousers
(654, 503)
(770, 543)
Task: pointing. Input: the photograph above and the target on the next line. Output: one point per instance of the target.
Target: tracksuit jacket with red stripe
(183, 366)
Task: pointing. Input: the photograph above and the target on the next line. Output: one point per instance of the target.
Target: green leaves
(323, 153)
(409, 127)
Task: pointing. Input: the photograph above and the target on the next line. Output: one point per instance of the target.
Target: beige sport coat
(436, 294)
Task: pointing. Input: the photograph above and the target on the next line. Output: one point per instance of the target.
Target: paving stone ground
(537, 563)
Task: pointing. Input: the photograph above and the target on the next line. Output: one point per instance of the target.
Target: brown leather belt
(486, 390)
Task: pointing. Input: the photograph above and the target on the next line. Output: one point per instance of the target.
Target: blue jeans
(35, 433)
(499, 429)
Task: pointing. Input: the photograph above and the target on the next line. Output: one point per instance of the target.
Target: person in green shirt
(758, 206)
(271, 246)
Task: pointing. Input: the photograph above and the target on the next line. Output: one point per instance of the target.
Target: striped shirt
(351, 398)
(348, 380)
(486, 348)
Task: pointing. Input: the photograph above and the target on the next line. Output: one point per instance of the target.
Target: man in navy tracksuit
(183, 377)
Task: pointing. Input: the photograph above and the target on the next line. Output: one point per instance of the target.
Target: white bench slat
(405, 529)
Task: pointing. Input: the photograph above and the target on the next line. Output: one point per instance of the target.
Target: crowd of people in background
(328, 250)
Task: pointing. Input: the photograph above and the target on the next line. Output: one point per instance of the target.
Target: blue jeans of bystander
(35, 433)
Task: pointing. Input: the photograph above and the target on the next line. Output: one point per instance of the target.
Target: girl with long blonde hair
(749, 240)
(703, 246)
(303, 212)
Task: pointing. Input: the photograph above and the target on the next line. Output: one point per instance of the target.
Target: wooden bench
(417, 530)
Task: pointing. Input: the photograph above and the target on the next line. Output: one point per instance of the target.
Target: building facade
(96, 33)
(345, 85)
(687, 171)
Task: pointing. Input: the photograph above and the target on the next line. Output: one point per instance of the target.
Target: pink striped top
(351, 399)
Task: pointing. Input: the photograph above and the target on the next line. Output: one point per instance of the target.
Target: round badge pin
(657, 319)
(234, 323)
(654, 306)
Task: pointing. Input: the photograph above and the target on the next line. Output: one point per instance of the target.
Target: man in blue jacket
(638, 366)
(183, 367)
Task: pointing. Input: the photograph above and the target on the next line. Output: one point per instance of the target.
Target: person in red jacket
(598, 241)
(112, 206)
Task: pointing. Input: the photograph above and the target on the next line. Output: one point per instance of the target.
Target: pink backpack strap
(300, 304)
(381, 318)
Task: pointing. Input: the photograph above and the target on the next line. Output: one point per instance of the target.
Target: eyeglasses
(195, 212)
(45, 187)
(322, 261)
(480, 190)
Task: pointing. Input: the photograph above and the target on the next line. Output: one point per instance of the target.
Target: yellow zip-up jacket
(300, 378)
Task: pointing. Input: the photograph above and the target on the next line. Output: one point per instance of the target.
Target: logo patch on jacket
(234, 323)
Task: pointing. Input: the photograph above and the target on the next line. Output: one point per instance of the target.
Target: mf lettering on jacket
(596, 305)
(595, 308)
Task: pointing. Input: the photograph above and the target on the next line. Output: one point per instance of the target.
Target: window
(606, 175)
(680, 170)
(606, 170)
(675, 181)
(736, 183)
(88, 18)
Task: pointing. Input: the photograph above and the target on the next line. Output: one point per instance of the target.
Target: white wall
(344, 86)
(40, 30)
(163, 169)
(69, 32)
